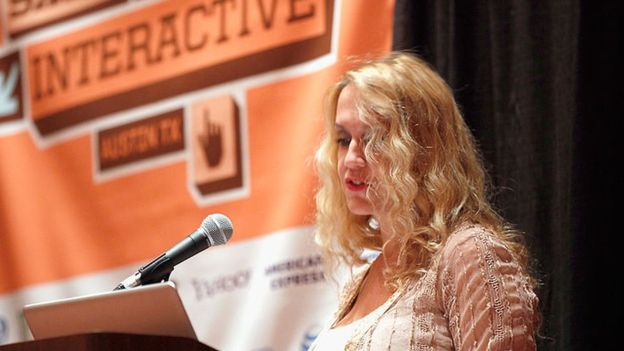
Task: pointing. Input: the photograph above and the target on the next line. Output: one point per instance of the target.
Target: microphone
(216, 229)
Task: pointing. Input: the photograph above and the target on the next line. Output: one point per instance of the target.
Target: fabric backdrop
(536, 82)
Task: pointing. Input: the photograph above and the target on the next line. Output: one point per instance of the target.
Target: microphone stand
(156, 271)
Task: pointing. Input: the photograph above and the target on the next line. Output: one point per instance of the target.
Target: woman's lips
(356, 186)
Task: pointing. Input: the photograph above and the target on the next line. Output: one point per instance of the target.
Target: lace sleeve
(486, 297)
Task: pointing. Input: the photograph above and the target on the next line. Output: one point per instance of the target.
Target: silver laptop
(154, 309)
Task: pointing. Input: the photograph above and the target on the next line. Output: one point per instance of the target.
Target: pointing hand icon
(211, 141)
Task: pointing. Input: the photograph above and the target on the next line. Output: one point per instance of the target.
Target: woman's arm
(487, 299)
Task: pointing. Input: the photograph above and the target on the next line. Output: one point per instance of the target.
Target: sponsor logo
(309, 336)
(295, 272)
(4, 330)
(297, 279)
(295, 264)
(140, 140)
(216, 145)
(166, 49)
(27, 15)
(205, 289)
(10, 88)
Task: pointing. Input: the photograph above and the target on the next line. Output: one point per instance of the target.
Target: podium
(109, 341)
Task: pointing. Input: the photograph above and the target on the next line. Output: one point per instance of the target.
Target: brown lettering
(48, 3)
(52, 70)
(168, 37)
(170, 131)
(128, 143)
(36, 64)
(244, 26)
(109, 55)
(296, 15)
(138, 41)
(142, 139)
(134, 54)
(196, 45)
(222, 19)
(58, 72)
(267, 21)
(83, 57)
(19, 7)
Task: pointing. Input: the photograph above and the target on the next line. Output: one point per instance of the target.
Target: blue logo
(4, 330)
(8, 101)
(310, 335)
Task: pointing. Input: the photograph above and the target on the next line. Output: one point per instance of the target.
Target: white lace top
(335, 338)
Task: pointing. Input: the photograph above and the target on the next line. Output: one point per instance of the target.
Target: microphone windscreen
(218, 228)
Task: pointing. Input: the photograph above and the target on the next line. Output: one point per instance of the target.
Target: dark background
(536, 81)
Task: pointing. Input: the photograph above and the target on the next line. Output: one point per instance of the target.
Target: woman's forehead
(347, 113)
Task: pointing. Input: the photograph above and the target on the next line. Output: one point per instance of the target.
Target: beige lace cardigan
(473, 297)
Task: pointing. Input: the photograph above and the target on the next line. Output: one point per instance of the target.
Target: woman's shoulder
(474, 254)
(476, 250)
(476, 241)
(478, 272)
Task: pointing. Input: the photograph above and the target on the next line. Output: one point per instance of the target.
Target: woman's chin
(360, 211)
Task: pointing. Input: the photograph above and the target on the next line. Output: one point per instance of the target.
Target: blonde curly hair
(429, 175)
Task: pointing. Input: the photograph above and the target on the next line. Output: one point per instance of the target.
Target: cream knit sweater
(474, 296)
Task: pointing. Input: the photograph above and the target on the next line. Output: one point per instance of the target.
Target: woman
(401, 174)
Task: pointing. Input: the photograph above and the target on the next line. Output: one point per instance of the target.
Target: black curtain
(536, 81)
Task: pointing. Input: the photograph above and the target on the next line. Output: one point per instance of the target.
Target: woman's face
(351, 136)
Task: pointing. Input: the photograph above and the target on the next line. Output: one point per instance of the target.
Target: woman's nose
(355, 155)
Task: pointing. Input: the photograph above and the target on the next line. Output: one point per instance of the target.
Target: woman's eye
(343, 141)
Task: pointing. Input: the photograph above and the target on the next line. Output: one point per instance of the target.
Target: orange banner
(166, 49)
(132, 130)
(27, 15)
(51, 194)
